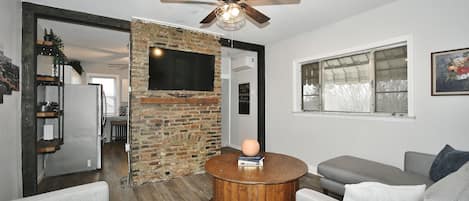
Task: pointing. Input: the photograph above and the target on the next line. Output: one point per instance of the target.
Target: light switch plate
(127, 147)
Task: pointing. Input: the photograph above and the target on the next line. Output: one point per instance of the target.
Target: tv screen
(178, 70)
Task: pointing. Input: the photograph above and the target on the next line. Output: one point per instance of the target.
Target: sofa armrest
(418, 163)
(97, 191)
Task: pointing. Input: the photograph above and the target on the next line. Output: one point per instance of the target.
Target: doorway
(31, 127)
(93, 73)
(239, 96)
(260, 71)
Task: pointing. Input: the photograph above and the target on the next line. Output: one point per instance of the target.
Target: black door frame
(31, 12)
(260, 49)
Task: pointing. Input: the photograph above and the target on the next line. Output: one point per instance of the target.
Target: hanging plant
(56, 40)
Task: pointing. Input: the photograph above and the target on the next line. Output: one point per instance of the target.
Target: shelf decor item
(450, 72)
(46, 36)
(56, 40)
(250, 147)
(251, 161)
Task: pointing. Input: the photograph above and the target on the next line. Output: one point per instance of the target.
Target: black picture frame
(450, 72)
(244, 98)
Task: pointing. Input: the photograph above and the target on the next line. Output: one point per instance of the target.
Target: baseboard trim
(234, 146)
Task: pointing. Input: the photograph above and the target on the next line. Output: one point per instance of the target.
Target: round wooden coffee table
(276, 180)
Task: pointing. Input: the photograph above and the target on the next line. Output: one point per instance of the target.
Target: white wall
(123, 73)
(10, 119)
(434, 25)
(104, 69)
(243, 126)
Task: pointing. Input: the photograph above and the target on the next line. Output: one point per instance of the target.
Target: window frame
(319, 90)
(371, 49)
(117, 92)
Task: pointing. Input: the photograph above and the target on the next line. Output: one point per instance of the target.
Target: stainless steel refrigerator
(83, 130)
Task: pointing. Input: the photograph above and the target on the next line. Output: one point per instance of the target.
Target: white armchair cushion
(98, 191)
(374, 191)
(310, 195)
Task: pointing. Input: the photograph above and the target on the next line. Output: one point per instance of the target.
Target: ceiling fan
(233, 11)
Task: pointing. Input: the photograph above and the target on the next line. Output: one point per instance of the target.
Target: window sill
(358, 116)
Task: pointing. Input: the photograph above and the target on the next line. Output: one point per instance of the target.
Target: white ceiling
(90, 44)
(287, 20)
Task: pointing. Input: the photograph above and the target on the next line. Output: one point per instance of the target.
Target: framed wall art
(244, 98)
(450, 72)
(9, 76)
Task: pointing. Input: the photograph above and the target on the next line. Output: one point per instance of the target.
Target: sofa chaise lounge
(343, 170)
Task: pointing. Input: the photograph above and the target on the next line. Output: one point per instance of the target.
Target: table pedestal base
(231, 191)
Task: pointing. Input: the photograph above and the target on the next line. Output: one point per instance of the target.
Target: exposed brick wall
(171, 138)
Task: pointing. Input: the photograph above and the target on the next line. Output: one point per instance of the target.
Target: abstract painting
(9, 76)
(450, 72)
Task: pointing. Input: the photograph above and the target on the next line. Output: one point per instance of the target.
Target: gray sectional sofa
(454, 187)
(343, 170)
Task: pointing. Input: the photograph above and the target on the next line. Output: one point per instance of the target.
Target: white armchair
(310, 195)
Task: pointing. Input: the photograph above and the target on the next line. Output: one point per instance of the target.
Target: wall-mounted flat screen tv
(179, 70)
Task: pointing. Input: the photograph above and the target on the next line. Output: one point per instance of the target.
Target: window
(109, 88)
(310, 89)
(373, 81)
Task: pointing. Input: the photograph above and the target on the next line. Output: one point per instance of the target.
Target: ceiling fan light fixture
(230, 17)
(235, 11)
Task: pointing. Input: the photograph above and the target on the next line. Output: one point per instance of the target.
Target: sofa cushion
(451, 188)
(407, 178)
(332, 186)
(352, 170)
(418, 163)
(373, 191)
(447, 161)
(310, 195)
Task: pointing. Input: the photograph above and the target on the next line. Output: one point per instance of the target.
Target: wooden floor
(114, 172)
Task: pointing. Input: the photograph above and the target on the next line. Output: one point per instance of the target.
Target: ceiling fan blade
(254, 14)
(271, 2)
(209, 2)
(210, 17)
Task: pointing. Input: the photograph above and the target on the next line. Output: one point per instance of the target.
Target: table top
(278, 168)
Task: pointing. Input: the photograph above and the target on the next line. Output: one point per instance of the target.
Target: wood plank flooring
(114, 172)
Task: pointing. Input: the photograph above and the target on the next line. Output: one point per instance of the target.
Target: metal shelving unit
(55, 80)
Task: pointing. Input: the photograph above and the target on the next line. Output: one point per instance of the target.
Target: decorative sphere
(250, 147)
